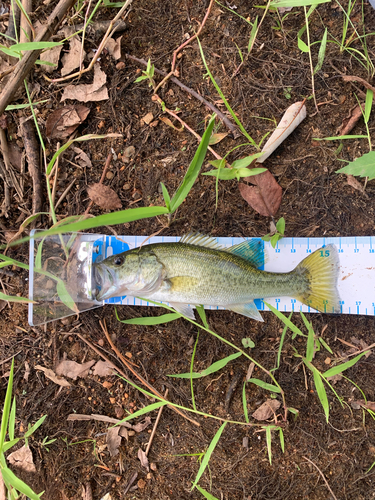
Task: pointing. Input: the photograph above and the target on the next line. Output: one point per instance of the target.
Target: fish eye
(118, 261)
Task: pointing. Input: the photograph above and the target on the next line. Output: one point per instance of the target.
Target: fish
(196, 270)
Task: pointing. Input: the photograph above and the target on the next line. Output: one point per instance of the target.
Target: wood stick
(30, 142)
(27, 62)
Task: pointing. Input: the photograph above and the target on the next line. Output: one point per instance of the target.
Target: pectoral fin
(183, 309)
(250, 310)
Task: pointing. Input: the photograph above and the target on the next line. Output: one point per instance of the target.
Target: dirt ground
(316, 202)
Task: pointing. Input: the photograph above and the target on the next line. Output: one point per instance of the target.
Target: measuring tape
(356, 282)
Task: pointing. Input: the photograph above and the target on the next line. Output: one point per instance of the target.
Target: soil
(320, 458)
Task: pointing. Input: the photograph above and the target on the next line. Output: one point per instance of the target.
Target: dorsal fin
(201, 240)
(252, 251)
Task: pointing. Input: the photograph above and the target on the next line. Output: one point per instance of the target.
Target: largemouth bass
(197, 271)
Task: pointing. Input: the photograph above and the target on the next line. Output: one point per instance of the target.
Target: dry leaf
(114, 47)
(293, 116)
(95, 91)
(370, 405)
(22, 458)
(113, 440)
(168, 122)
(71, 59)
(52, 376)
(143, 458)
(334, 378)
(265, 196)
(354, 183)
(103, 369)
(143, 425)
(101, 418)
(82, 159)
(73, 370)
(27, 371)
(267, 409)
(86, 492)
(52, 56)
(3, 304)
(349, 121)
(124, 433)
(104, 196)
(147, 118)
(216, 138)
(62, 122)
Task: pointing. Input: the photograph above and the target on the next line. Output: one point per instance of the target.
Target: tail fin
(321, 268)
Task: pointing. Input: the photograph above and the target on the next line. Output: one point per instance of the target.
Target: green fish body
(197, 271)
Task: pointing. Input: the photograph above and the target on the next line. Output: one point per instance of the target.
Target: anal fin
(250, 310)
(183, 309)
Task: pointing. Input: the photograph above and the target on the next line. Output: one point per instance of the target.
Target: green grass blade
(10, 478)
(21, 47)
(296, 3)
(320, 389)
(205, 493)
(269, 443)
(150, 321)
(285, 320)
(282, 442)
(253, 35)
(208, 454)
(344, 366)
(310, 339)
(13, 298)
(194, 168)
(265, 385)
(12, 420)
(191, 372)
(34, 427)
(6, 408)
(339, 137)
(325, 345)
(281, 345)
(65, 296)
(15, 262)
(167, 198)
(368, 104)
(143, 411)
(218, 365)
(202, 315)
(322, 53)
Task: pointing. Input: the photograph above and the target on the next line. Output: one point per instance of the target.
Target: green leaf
(218, 365)
(344, 366)
(141, 78)
(217, 163)
(6, 407)
(244, 403)
(248, 343)
(205, 493)
(12, 420)
(202, 315)
(281, 345)
(265, 385)
(296, 3)
(322, 53)
(149, 321)
(248, 172)
(325, 345)
(282, 442)
(208, 454)
(194, 168)
(310, 339)
(368, 104)
(301, 44)
(245, 162)
(266, 237)
(320, 389)
(363, 166)
(285, 320)
(13, 298)
(269, 443)
(274, 239)
(167, 198)
(34, 427)
(253, 34)
(12, 107)
(65, 296)
(224, 174)
(280, 225)
(10, 478)
(142, 411)
(35, 45)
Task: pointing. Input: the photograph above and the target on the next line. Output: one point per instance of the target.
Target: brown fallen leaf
(73, 370)
(369, 405)
(335, 378)
(354, 183)
(72, 58)
(114, 47)
(144, 460)
(142, 425)
(22, 458)
(265, 196)
(52, 56)
(350, 120)
(168, 122)
(95, 91)
(104, 196)
(103, 369)
(216, 138)
(82, 158)
(62, 122)
(52, 376)
(266, 410)
(113, 440)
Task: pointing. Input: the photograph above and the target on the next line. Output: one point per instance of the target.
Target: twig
(195, 94)
(171, 73)
(156, 425)
(171, 113)
(111, 27)
(55, 169)
(139, 377)
(33, 160)
(324, 479)
(62, 197)
(9, 174)
(27, 62)
(25, 28)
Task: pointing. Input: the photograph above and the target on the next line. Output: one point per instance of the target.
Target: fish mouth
(104, 281)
